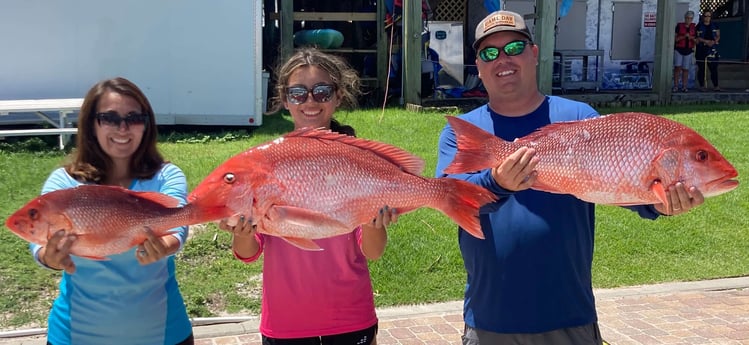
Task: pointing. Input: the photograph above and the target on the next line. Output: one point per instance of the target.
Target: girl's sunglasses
(513, 48)
(320, 93)
(112, 119)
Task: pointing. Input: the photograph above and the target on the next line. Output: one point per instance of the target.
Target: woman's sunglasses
(112, 119)
(513, 48)
(320, 93)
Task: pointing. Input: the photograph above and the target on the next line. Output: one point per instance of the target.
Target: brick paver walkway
(712, 315)
(709, 312)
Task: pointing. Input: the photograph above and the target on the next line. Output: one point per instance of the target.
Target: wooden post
(664, 50)
(286, 23)
(546, 12)
(411, 52)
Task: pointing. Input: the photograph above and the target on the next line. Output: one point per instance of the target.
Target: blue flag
(491, 5)
(565, 8)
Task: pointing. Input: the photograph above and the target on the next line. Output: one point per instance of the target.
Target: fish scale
(619, 159)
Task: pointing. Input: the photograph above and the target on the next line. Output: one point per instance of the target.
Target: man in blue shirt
(529, 281)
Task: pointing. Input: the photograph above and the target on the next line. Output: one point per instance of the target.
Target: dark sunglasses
(320, 93)
(112, 119)
(513, 48)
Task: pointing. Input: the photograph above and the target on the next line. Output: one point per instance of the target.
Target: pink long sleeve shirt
(315, 293)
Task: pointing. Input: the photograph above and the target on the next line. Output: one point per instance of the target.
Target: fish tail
(462, 204)
(198, 213)
(473, 144)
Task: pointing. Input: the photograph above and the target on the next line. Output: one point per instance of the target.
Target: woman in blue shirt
(133, 297)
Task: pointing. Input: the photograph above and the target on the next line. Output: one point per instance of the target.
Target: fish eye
(34, 214)
(229, 178)
(701, 155)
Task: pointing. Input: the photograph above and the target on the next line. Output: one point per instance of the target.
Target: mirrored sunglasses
(112, 119)
(513, 48)
(320, 93)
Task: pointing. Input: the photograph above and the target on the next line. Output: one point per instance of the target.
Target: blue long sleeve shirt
(119, 301)
(532, 273)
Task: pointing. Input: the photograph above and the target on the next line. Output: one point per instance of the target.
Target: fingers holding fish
(385, 217)
(238, 225)
(681, 199)
(152, 249)
(517, 172)
(56, 254)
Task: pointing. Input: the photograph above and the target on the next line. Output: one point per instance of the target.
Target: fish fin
(156, 197)
(301, 217)
(302, 243)
(472, 142)
(403, 159)
(660, 192)
(95, 258)
(159, 198)
(463, 202)
(667, 165)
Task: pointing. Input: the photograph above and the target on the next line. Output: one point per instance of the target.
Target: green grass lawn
(422, 262)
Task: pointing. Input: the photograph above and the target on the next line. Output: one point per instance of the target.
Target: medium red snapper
(619, 159)
(106, 220)
(313, 183)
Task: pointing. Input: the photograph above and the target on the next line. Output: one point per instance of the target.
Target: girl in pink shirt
(315, 297)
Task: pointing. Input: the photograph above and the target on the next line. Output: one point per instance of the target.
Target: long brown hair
(88, 162)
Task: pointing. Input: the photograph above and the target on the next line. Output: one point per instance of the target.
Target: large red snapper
(313, 183)
(106, 220)
(619, 159)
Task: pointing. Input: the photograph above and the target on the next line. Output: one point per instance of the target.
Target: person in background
(133, 297)
(684, 43)
(708, 38)
(529, 282)
(315, 297)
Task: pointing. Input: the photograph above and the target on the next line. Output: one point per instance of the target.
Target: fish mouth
(720, 186)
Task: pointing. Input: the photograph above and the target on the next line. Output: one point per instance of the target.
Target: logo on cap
(499, 20)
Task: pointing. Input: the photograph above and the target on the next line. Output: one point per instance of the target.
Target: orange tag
(497, 20)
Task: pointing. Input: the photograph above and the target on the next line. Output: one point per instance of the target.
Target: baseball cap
(500, 21)
(689, 14)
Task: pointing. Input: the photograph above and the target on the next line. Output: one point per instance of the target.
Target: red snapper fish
(106, 220)
(619, 159)
(314, 183)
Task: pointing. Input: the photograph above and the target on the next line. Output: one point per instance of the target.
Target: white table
(62, 106)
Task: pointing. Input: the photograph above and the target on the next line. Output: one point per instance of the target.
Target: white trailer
(198, 62)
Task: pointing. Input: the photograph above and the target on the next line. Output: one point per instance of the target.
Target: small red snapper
(619, 159)
(313, 183)
(106, 220)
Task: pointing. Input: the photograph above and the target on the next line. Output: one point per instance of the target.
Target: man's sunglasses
(513, 48)
(112, 119)
(320, 93)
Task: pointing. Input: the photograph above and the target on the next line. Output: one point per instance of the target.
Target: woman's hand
(155, 248)
(238, 226)
(374, 234)
(243, 243)
(56, 254)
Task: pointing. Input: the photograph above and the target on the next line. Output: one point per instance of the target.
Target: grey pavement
(702, 312)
